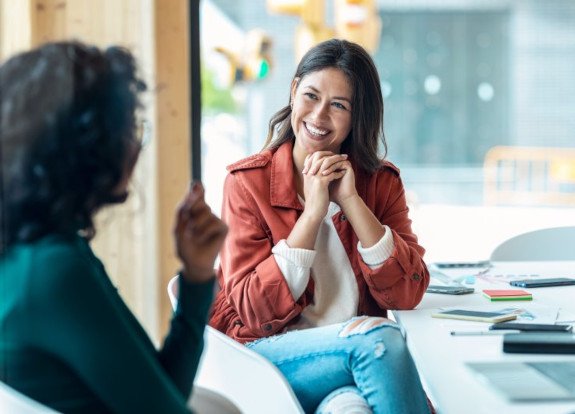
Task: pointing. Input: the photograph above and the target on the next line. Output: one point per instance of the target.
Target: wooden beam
(126, 240)
(48, 21)
(173, 126)
(15, 27)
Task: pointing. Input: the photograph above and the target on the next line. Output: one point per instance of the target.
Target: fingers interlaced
(324, 163)
(337, 166)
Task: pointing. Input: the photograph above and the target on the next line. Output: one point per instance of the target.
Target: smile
(318, 132)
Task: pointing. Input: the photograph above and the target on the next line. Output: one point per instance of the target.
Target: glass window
(479, 103)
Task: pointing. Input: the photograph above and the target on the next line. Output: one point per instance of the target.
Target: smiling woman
(321, 246)
(351, 85)
(321, 112)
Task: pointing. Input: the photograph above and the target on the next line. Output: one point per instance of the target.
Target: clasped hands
(327, 177)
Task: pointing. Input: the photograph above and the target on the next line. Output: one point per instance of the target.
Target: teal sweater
(68, 340)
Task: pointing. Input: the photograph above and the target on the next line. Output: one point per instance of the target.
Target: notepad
(506, 294)
(472, 315)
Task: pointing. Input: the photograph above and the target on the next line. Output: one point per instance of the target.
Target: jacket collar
(283, 190)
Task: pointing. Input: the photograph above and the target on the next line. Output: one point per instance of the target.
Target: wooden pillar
(47, 20)
(133, 240)
(173, 126)
(15, 27)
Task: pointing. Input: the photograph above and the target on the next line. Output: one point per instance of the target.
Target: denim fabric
(371, 355)
(345, 400)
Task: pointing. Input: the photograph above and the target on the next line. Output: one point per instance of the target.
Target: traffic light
(312, 28)
(258, 55)
(358, 21)
(355, 20)
(311, 12)
(254, 62)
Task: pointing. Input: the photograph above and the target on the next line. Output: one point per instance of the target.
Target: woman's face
(321, 112)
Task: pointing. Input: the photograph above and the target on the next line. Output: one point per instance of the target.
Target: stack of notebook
(507, 294)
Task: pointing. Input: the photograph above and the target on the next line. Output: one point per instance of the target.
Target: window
(460, 81)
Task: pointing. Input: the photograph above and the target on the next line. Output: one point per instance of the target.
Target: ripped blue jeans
(366, 352)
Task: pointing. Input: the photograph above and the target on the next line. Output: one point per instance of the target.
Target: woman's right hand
(199, 235)
(320, 169)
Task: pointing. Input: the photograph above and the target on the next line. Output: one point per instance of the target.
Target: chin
(322, 147)
(313, 145)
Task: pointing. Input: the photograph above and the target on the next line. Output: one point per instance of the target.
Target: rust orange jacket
(261, 207)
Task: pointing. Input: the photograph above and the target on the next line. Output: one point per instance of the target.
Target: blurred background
(479, 110)
(479, 103)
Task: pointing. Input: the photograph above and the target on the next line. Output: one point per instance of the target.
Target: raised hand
(198, 235)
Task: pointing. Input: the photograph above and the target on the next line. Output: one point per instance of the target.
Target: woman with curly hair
(68, 146)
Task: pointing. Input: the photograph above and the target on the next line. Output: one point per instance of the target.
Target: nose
(320, 110)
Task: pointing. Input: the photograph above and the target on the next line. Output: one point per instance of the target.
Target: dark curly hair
(67, 120)
(362, 144)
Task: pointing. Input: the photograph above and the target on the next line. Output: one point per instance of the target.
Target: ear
(294, 85)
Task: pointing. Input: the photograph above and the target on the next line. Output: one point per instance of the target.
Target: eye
(339, 106)
(311, 95)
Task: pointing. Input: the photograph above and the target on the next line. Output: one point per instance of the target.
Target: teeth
(316, 131)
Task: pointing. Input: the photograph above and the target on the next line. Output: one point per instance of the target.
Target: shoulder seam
(253, 161)
(390, 165)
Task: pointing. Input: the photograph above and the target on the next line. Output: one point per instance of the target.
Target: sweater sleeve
(77, 316)
(295, 265)
(183, 346)
(375, 255)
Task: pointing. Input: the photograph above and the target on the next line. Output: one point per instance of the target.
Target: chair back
(556, 243)
(12, 401)
(173, 291)
(247, 379)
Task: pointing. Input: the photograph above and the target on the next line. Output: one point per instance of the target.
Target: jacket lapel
(282, 181)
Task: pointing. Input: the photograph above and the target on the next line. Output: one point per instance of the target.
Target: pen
(478, 333)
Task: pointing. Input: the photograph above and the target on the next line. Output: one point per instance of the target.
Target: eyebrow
(339, 98)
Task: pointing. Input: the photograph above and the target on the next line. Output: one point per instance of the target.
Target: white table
(440, 357)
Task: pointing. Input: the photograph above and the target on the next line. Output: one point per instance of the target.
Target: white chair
(12, 401)
(249, 380)
(556, 243)
(206, 401)
(203, 401)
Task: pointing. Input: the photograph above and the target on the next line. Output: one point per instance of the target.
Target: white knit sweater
(335, 295)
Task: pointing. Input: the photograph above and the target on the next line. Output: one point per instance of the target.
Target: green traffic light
(264, 69)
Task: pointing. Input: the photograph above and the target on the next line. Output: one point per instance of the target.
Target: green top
(68, 340)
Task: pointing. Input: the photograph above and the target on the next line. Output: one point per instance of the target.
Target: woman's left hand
(344, 188)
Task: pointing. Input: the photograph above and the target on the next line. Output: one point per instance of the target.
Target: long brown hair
(362, 143)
